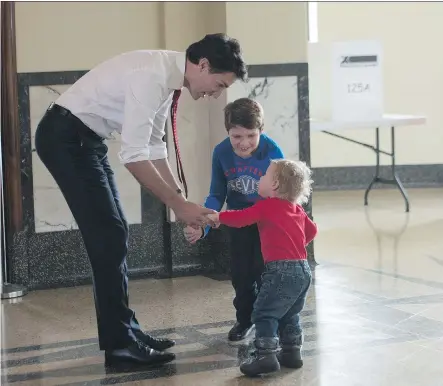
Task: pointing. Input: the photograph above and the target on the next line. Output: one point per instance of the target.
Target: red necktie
(181, 174)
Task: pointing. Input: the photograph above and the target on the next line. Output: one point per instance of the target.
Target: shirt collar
(177, 75)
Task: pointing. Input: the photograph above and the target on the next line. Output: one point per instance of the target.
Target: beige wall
(413, 77)
(62, 36)
(270, 32)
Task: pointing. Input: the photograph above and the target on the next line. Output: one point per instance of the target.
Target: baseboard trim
(359, 177)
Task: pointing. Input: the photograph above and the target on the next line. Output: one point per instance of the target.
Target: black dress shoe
(159, 344)
(137, 353)
(239, 332)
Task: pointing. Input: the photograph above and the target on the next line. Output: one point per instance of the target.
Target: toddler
(285, 230)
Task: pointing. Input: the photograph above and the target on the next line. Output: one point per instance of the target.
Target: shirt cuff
(158, 152)
(151, 153)
(134, 155)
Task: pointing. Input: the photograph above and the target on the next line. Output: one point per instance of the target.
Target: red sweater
(285, 228)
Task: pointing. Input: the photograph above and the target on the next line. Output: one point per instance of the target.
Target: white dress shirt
(131, 94)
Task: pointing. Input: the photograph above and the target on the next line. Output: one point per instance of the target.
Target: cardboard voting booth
(345, 81)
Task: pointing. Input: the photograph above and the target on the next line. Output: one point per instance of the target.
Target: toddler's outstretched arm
(241, 218)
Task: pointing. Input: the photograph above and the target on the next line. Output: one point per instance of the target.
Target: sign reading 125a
(357, 87)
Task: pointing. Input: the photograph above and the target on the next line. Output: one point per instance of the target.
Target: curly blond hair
(294, 180)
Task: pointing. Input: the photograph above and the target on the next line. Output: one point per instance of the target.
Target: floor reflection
(374, 315)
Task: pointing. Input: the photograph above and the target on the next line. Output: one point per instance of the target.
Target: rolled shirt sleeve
(158, 148)
(145, 117)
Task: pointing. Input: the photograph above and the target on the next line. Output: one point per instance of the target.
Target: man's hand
(193, 214)
(192, 235)
(215, 219)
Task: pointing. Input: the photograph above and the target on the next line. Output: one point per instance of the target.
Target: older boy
(238, 163)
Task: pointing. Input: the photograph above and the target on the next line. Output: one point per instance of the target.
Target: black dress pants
(246, 269)
(77, 159)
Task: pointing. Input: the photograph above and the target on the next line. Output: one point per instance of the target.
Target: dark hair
(222, 52)
(244, 112)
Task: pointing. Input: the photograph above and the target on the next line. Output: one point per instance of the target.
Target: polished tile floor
(374, 316)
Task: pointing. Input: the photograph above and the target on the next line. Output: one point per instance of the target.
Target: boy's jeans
(281, 298)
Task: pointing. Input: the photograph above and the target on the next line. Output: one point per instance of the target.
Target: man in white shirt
(130, 94)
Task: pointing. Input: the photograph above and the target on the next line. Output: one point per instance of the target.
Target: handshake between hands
(193, 233)
(196, 218)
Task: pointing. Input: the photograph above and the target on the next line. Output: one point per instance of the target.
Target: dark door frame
(10, 129)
